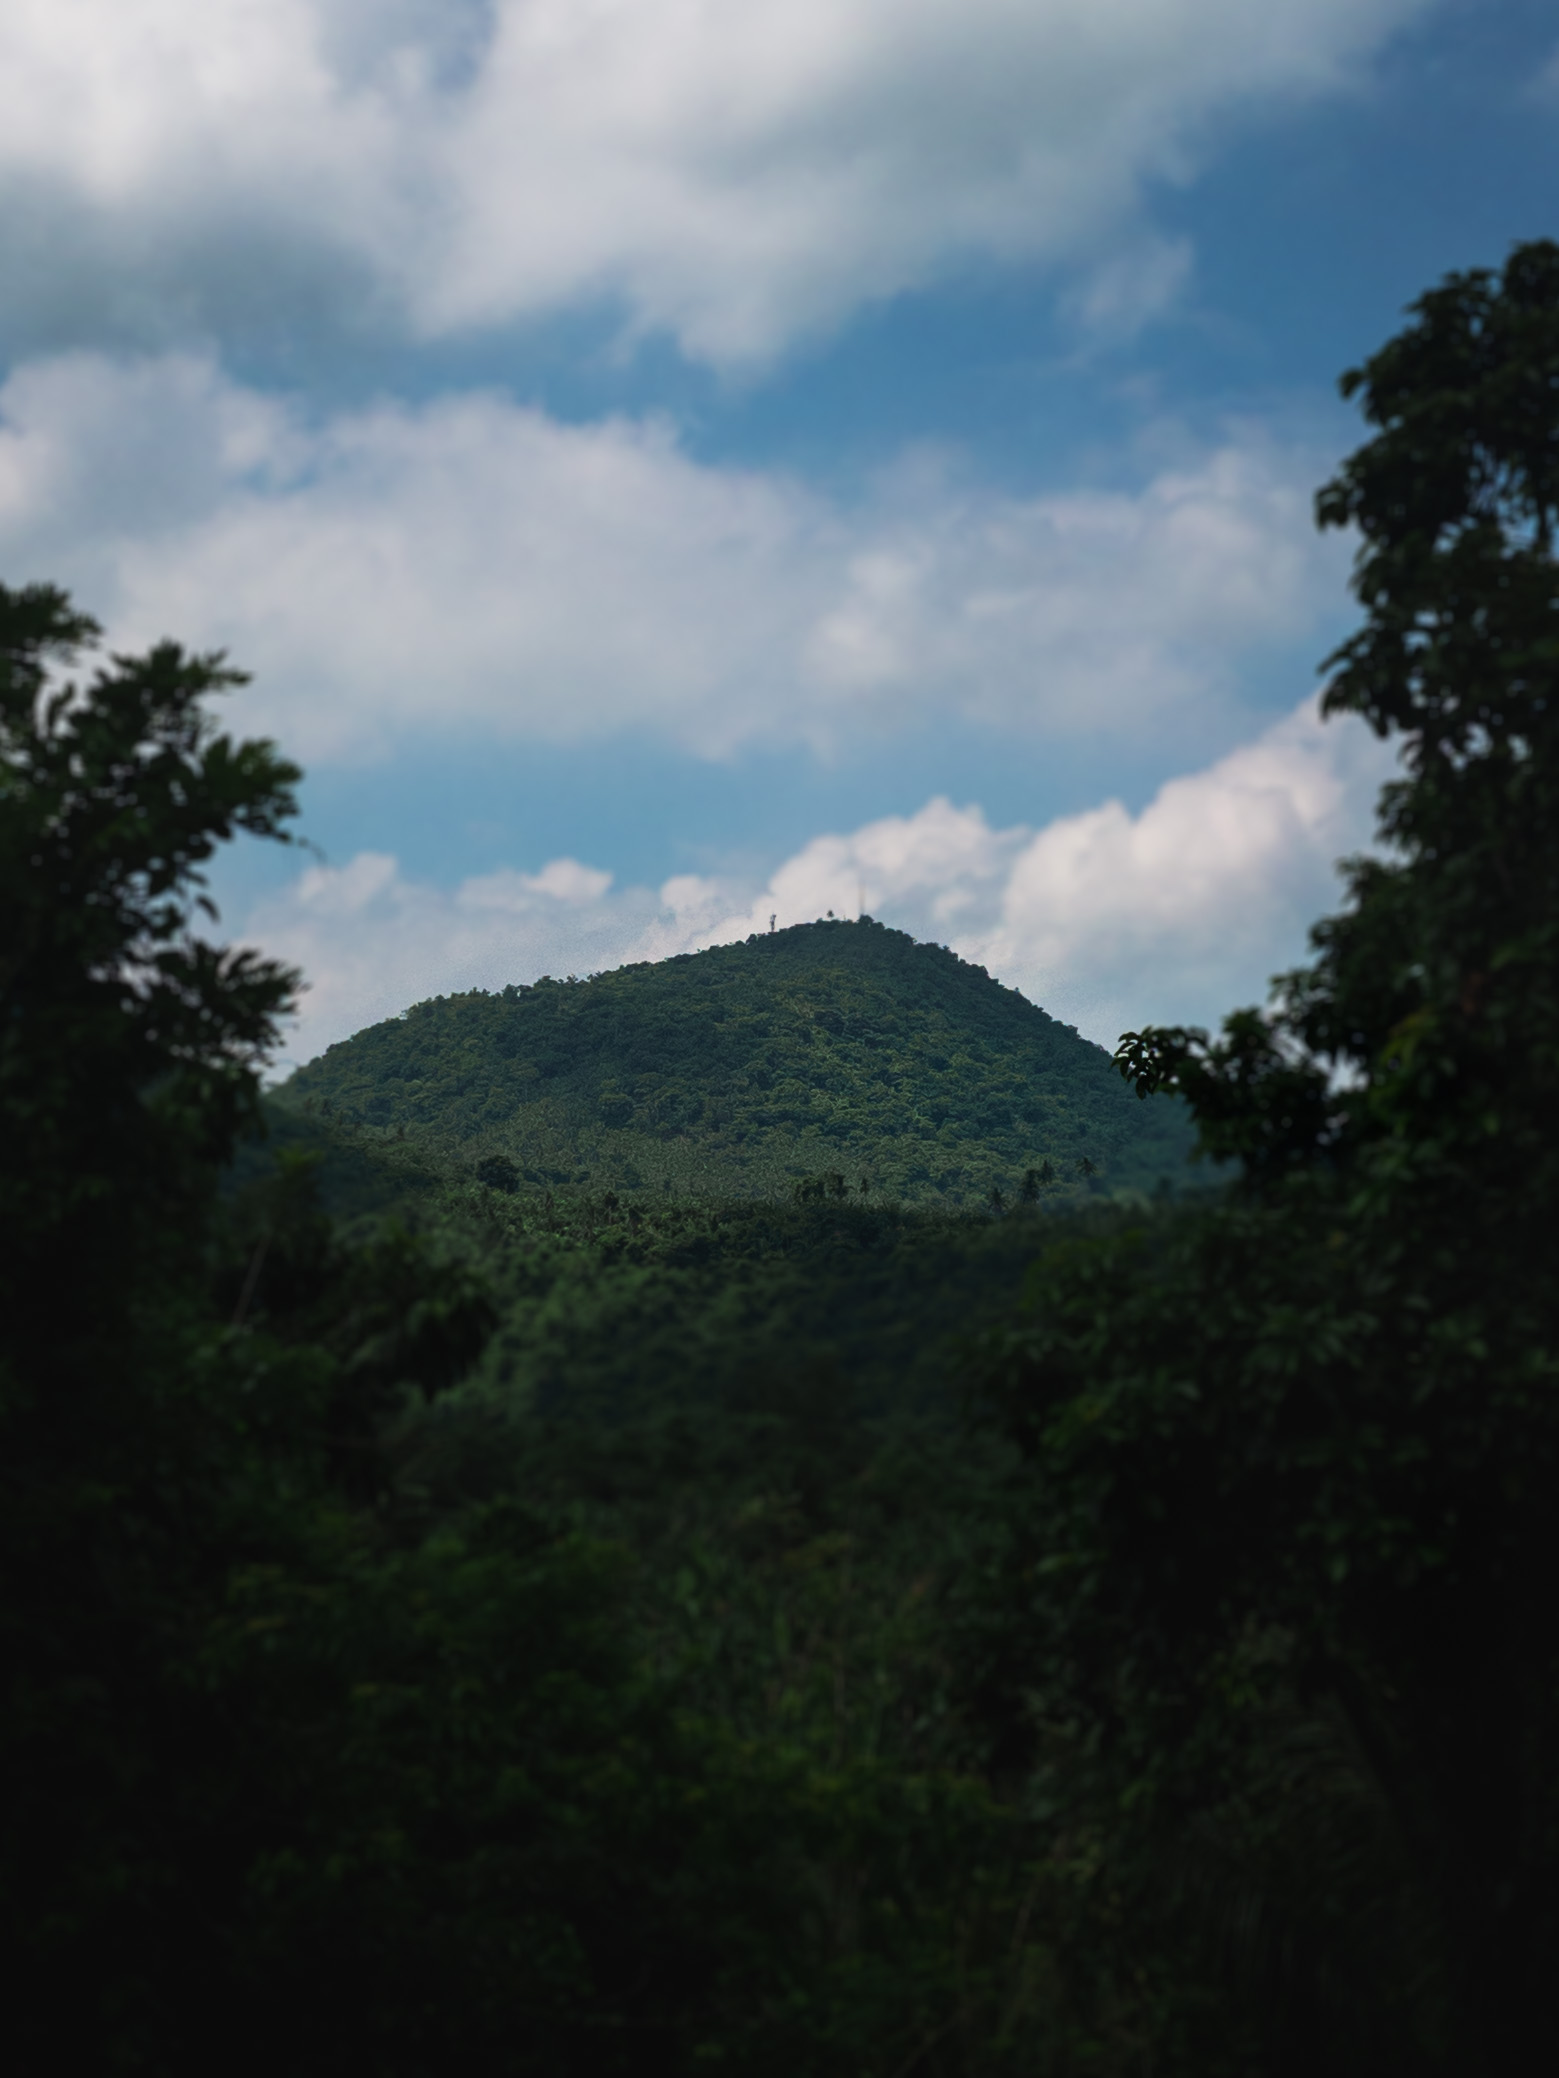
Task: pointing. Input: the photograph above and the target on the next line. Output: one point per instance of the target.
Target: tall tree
(128, 1046)
(1303, 1451)
(128, 1043)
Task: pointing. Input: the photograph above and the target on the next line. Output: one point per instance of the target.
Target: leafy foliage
(128, 1043)
(1300, 1454)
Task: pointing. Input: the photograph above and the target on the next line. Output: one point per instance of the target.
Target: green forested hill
(830, 1049)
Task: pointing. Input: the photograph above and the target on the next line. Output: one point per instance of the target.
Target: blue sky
(674, 462)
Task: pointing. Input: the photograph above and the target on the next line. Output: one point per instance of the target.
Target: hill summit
(847, 1054)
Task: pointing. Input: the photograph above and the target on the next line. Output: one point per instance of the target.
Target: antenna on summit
(860, 900)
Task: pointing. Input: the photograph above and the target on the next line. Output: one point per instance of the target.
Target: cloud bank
(478, 570)
(1108, 920)
(733, 173)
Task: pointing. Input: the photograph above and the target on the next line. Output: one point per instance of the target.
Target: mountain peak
(840, 1046)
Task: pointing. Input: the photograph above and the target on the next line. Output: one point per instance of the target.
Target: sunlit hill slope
(847, 1054)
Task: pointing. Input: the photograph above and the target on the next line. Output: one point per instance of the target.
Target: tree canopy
(1300, 1456)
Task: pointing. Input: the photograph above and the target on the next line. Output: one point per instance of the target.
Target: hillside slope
(830, 1047)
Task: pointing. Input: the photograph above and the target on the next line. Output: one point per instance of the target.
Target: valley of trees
(476, 1600)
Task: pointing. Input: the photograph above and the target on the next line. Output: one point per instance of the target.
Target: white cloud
(1186, 910)
(370, 941)
(733, 171)
(1545, 86)
(1140, 279)
(1107, 919)
(475, 566)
